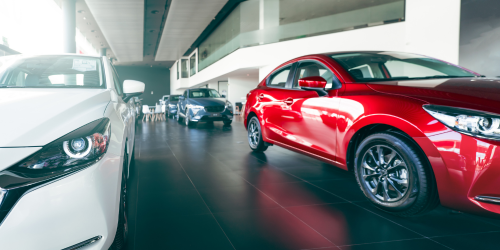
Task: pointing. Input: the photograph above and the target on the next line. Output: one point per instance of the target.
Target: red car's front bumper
(465, 168)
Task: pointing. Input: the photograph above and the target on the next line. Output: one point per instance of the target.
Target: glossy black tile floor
(203, 188)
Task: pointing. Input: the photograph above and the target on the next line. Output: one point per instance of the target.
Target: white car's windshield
(392, 66)
(52, 72)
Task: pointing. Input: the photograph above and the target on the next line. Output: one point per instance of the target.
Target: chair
(147, 113)
(157, 112)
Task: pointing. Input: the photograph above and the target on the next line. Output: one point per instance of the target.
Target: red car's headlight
(467, 121)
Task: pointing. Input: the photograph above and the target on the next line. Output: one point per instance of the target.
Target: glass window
(116, 80)
(258, 22)
(173, 98)
(204, 93)
(192, 65)
(306, 69)
(53, 72)
(178, 68)
(386, 66)
(185, 94)
(184, 68)
(279, 78)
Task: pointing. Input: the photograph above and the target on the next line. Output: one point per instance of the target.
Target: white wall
(238, 88)
(431, 28)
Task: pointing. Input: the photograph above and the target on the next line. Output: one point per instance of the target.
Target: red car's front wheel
(394, 176)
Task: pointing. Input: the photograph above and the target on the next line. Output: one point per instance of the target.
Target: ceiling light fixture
(84, 18)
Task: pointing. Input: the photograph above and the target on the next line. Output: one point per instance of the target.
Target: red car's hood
(474, 93)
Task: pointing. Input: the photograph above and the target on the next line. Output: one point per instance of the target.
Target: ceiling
(122, 24)
(185, 22)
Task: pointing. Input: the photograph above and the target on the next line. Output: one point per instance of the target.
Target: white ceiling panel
(186, 20)
(122, 24)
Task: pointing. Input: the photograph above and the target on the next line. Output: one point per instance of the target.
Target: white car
(67, 137)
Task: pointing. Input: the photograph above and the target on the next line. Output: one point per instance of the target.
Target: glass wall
(257, 22)
(192, 65)
(178, 68)
(184, 68)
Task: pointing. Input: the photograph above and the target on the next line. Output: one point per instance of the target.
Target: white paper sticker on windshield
(84, 65)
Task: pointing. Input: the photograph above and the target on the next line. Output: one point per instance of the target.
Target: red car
(416, 131)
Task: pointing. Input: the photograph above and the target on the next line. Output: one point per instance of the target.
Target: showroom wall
(238, 87)
(480, 36)
(157, 81)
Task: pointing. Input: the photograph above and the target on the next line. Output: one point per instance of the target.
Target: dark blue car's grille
(214, 108)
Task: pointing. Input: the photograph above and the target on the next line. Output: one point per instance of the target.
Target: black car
(171, 102)
(203, 105)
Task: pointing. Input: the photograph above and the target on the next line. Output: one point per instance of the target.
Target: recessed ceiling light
(154, 12)
(81, 11)
(84, 18)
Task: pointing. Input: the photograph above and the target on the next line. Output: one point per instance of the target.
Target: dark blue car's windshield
(174, 98)
(204, 93)
(395, 66)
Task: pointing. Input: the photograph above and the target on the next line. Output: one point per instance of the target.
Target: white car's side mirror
(132, 88)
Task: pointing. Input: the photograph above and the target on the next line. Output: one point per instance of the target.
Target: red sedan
(416, 131)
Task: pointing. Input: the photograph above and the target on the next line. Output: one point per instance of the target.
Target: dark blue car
(203, 105)
(171, 102)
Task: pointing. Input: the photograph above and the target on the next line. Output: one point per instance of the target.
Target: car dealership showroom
(249, 124)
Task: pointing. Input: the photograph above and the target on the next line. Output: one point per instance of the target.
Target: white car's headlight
(470, 122)
(73, 152)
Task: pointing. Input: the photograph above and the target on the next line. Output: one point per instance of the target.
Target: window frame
(297, 66)
(288, 79)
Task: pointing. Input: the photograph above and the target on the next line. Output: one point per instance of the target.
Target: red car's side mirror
(314, 82)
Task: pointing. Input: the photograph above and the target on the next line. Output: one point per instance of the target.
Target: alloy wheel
(253, 134)
(385, 173)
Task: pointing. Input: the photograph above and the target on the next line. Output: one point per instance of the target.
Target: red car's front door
(310, 120)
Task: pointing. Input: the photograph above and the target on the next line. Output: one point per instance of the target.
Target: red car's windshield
(387, 66)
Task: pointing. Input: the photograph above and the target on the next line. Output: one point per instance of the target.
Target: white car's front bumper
(68, 211)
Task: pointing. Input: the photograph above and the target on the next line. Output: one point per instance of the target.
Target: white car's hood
(37, 116)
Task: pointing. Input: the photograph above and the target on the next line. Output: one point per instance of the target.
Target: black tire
(187, 120)
(227, 123)
(401, 182)
(178, 117)
(120, 240)
(255, 140)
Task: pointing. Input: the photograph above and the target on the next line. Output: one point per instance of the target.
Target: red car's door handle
(261, 96)
(288, 101)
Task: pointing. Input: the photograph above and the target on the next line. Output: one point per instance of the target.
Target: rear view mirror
(132, 88)
(314, 83)
(223, 96)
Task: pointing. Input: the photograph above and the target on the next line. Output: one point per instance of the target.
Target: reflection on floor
(203, 188)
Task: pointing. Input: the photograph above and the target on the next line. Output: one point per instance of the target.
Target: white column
(69, 25)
